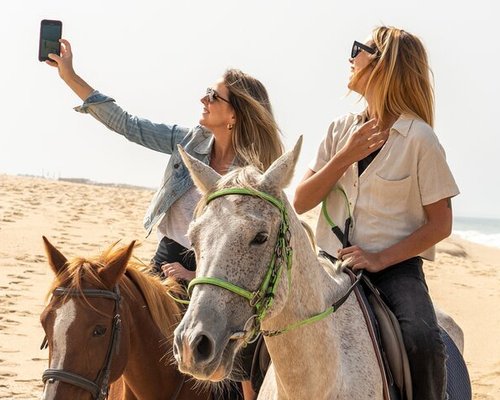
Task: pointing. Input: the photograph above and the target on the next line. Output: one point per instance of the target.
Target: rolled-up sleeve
(324, 153)
(435, 179)
(154, 136)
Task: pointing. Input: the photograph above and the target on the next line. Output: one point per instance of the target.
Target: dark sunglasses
(212, 96)
(357, 47)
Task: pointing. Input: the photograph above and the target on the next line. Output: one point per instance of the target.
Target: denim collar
(205, 146)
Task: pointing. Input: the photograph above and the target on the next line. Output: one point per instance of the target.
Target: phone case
(50, 33)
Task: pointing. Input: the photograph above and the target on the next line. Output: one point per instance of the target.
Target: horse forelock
(244, 177)
(77, 272)
(81, 272)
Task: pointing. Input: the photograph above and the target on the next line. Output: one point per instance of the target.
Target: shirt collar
(402, 124)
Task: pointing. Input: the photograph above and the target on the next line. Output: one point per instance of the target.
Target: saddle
(390, 350)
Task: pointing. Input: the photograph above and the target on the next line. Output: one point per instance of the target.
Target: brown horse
(109, 323)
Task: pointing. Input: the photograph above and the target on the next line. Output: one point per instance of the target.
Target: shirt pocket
(390, 198)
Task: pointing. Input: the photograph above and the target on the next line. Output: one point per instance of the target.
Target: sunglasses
(212, 96)
(357, 47)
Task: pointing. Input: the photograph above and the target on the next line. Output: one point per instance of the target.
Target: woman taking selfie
(236, 128)
(384, 172)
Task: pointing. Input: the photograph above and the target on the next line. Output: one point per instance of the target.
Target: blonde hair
(401, 79)
(256, 136)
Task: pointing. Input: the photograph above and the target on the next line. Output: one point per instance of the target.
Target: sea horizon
(481, 230)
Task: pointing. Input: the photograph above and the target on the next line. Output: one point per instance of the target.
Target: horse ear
(280, 173)
(114, 270)
(56, 260)
(203, 176)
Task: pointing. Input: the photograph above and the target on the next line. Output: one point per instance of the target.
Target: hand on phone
(63, 62)
(60, 56)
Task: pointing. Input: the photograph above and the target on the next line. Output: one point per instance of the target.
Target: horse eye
(260, 238)
(99, 330)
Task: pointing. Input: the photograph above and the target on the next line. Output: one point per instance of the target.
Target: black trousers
(169, 251)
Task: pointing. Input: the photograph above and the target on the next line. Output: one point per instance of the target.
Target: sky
(156, 59)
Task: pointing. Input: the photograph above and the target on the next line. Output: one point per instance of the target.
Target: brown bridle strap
(99, 387)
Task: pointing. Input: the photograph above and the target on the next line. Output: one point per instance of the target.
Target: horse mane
(163, 309)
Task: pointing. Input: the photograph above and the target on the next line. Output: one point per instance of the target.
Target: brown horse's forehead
(48, 315)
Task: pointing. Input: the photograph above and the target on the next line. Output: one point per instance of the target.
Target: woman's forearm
(78, 85)
(437, 228)
(315, 186)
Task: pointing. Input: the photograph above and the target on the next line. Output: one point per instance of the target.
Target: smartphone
(50, 33)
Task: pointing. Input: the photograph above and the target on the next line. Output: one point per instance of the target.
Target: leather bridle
(100, 387)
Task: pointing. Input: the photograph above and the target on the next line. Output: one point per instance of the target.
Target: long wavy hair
(256, 136)
(401, 80)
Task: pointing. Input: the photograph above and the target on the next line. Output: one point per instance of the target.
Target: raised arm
(64, 64)
(155, 136)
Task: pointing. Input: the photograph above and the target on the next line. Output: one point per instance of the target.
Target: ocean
(478, 230)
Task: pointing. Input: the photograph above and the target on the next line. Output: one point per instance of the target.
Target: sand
(82, 219)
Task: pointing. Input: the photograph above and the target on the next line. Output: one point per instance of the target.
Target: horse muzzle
(200, 354)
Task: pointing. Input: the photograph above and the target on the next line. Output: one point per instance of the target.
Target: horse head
(82, 322)
(241, 238)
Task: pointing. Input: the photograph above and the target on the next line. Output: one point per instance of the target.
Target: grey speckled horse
(235, 237)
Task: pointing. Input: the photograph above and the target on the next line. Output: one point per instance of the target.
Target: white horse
(250, 280)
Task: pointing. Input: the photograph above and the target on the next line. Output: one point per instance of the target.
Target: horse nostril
(203, 348)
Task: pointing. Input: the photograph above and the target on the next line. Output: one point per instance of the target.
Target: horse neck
(147, 348)
(301, 356)
(312, 289)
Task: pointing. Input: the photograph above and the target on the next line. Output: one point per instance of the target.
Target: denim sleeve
(158, 137)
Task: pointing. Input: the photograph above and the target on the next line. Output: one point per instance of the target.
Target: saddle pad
(458, 380)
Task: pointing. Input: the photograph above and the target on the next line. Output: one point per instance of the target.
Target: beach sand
(82, 220)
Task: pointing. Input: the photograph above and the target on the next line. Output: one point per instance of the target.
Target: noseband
(98, 388)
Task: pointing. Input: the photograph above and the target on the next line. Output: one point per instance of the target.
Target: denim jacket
(176, 181)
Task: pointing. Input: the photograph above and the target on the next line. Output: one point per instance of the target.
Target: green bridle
(262, 299)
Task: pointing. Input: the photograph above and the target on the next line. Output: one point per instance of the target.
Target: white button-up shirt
(387, 201)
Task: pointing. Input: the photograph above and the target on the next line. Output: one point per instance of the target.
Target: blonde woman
(236, 128)
(384, 172)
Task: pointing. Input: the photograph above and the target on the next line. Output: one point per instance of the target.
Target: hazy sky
(156, 58)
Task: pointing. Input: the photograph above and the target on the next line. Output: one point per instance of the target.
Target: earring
(230, 127)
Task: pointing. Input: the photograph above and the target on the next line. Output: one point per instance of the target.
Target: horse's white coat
(332, 359)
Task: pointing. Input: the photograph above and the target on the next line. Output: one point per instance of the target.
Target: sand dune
(84, 219)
